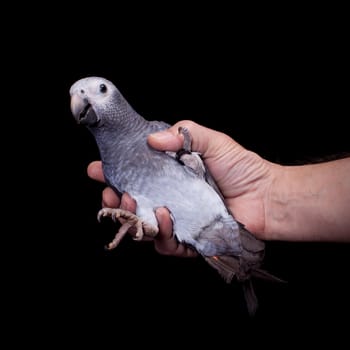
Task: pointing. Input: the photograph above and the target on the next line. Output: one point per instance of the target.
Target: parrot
(178, 181)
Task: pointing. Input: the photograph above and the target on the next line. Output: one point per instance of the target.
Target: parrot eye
(103, 88)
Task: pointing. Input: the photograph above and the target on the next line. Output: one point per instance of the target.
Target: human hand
(243, 177)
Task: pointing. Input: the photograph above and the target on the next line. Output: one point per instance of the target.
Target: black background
(278, 89)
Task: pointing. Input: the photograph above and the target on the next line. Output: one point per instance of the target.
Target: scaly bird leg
(188, 158)
(130, 220)
(187, 138)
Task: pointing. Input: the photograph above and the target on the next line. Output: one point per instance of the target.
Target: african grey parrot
(178, 181)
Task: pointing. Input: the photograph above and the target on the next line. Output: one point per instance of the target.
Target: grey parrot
(178, 181)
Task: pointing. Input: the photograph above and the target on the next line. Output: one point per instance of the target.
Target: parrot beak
(82, 111)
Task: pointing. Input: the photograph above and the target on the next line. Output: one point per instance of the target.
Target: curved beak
(82, 110)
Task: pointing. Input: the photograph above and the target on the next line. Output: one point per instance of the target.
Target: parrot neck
(112, 138)
(132, 124)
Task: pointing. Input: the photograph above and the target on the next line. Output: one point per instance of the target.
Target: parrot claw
(101, 213)
(114, 217)
(139, 231)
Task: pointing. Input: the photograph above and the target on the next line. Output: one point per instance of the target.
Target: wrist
(309, 203)
(276, 201)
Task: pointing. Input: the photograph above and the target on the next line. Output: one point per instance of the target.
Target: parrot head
(93, 101)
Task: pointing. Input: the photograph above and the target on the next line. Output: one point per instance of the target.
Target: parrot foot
(187, 138)
(130, 220)
(188, 158)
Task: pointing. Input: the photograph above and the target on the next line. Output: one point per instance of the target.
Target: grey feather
(179, 182)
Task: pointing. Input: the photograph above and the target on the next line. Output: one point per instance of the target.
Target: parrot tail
(250, 296)
(229, 266)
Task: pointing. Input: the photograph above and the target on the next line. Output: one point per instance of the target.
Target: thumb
(206, 141)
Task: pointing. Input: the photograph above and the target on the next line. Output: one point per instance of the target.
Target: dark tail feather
(229, 266)
(259, 273)
(250, 296)
(226, 266)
